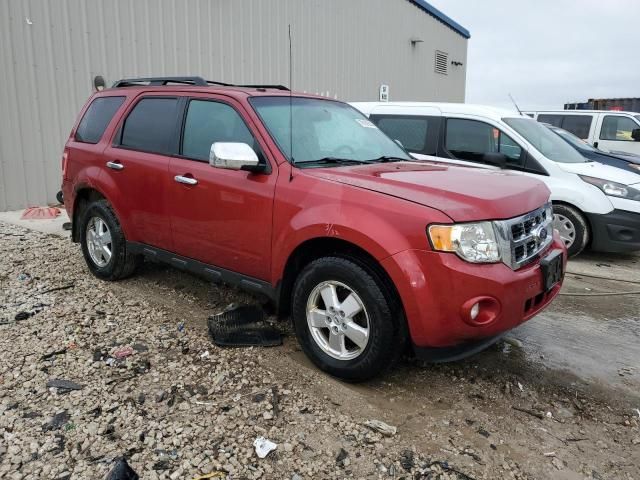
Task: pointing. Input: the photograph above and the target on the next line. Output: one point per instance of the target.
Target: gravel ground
(147, 384)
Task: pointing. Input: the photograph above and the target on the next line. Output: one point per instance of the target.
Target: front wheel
(572, 227)
(344, 321)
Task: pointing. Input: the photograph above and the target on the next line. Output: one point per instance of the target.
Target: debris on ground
(243, 326)
(264, 447)
(50, 355)
(40, 213)
(58, 421)
(216, 474)
(123, 352)
(122, 471)
(64, 386)
(381, 427)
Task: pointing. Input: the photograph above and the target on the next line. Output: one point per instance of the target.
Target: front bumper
(617, 231)
(434, 286)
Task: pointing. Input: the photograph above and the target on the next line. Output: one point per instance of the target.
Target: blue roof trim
(438, 15)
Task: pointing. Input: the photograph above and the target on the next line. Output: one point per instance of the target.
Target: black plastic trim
(456, 352)
(616, 232)
(210, 272)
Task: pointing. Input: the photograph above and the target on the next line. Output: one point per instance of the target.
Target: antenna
(293, 161)
(515, 104)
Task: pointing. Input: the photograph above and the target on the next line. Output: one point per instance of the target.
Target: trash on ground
(637, 410)
(243, 326)
(50, 355)
(342, 455)
(381, 427)
(216, 474)
(122, 471)
(23, 316)
(264, 446)
(529, 412)
(64, 386)
(123, 352)
(407, 460)
(67, 226)
(40, 213)
(57, 421)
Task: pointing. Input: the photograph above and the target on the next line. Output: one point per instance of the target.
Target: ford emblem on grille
(540, 235)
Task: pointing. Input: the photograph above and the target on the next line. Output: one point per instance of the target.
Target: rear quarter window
(97, 118)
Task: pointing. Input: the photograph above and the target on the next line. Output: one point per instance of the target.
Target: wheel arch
(83, 197)
(584, 217)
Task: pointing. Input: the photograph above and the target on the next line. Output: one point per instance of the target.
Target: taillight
(65, 158)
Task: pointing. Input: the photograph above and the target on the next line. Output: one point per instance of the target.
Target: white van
(608, 130)
(594, 205)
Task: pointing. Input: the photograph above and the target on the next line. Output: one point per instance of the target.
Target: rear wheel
(572, 227)
(103, 244)
(344, 321)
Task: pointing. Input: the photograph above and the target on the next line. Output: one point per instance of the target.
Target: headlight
(473, 242)
(613, 189)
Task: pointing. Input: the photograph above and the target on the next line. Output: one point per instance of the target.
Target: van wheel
(103, 244)
(572, 227)
(343, 320)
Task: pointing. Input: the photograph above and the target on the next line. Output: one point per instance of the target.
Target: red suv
(303, 200)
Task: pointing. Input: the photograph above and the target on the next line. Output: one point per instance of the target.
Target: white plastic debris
(549, 415)
(204, 354)
(520, 387)
(383, 428)
(637, 410)
(264, 446)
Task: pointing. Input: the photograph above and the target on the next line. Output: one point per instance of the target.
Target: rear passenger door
(136, 166)
(221, 217)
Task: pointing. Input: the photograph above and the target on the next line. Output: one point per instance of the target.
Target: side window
(555, 120)
(150, 126)
(471, 139)
(617, 128)
(97, 118)
(579, 125)
(208, 122)
(411, 132)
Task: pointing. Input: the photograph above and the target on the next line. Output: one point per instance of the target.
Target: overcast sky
(549, 52)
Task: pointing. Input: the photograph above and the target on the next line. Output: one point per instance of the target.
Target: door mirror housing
(496, 159)
(234, 156)
(635, 134)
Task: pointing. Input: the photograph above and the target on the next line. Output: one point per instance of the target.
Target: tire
(99, 215)
(378, 316)
(572, 226)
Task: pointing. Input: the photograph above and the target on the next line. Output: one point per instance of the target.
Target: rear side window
(150, 126)
(471, 139)
(617, 128)
(411, 132)
(97, 118)
(555, 120)
(579, 125)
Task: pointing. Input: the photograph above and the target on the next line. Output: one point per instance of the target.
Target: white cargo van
(594, 205)
(608, 130)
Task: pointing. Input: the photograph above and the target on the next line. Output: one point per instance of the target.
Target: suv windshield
(324, 130)
(571, 139)
(545, 141)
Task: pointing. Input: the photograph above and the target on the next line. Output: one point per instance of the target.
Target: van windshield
(324, 130)
(571, 139)
(545, 141)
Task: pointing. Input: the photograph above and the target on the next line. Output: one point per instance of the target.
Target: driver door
(220, 217)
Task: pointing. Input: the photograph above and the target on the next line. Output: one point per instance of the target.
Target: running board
(210, 272)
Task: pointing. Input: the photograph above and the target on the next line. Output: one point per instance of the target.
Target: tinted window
(411, 132)
(150, 125)
(209, 122)
(617, 128)
(470, 140)
(555, 120)
(97, 118)
(579, 125)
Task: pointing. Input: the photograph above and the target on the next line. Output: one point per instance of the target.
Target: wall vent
(442, 62)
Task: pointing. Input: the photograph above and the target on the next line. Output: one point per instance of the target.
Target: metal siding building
(345, 49)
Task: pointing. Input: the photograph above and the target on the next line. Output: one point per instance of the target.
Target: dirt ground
(551, 403)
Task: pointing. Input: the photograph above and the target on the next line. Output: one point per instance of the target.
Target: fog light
(480, 311)
(474, 311)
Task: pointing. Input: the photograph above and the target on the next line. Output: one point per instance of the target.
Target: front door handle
(116, 165)
(186, 180)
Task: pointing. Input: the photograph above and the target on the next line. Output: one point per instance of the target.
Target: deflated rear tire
(344, 320)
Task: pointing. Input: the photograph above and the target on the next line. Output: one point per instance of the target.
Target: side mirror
(494, 158)
(635, 134)
(234, 156)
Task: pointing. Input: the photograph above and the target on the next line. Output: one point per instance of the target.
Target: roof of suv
(494, 113)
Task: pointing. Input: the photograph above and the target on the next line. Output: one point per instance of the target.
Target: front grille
(524, 237)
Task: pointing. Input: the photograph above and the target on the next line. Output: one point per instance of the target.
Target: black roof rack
(194, 81)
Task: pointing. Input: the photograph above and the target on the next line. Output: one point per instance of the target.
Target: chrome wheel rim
(338, 320)
(565, 228)
(99, 242)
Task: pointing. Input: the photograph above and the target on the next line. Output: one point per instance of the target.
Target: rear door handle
(115, 165)
(186, 180)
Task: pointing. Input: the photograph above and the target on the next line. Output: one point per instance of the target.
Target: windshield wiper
(388, 158)
(346, 161)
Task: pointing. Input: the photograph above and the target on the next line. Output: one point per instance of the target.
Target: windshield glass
(573, 140)
(545, 141)
(323, 129)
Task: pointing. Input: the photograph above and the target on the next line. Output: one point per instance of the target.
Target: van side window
(579, 125)
(150, 126)
(411, 132)
(208, 122)
(97, 118)
(618, 128)
(471, 139)
(555, 120)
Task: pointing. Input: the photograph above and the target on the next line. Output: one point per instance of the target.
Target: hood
(463, 193)
(628, 156)
(600, 170)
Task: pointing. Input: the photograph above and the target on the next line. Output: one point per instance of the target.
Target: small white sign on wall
(384, 93)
